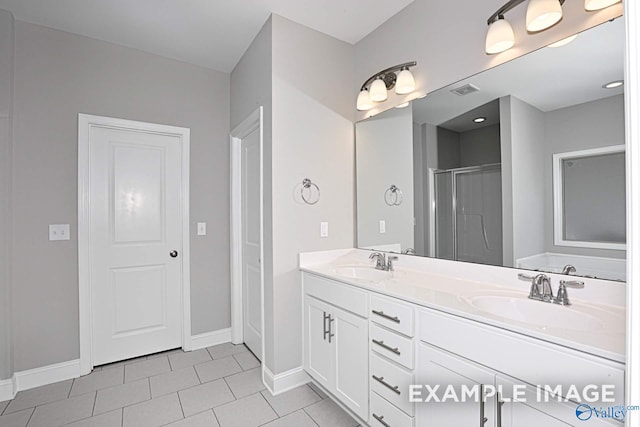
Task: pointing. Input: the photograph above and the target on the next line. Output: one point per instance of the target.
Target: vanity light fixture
(403, 105)
(613, 84)
(541, 14)
(375, 87)
(479, 119)
(599, 4)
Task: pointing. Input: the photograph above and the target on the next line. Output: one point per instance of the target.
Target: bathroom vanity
(380, 342)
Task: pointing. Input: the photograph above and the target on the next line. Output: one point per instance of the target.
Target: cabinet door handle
(331, 335)
(380, 419)
(325, 330)
(386, 316)
(499, 415)
(387, 385)
(386, 347)
(483, 419)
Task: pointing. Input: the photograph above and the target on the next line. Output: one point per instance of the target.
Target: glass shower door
(478, 215)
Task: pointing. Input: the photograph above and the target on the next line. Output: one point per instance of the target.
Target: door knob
(173, 254)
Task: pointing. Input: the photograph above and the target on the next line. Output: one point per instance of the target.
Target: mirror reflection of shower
(467, 208)
(466, 192)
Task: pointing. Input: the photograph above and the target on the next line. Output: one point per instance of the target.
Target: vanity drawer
(391, 382)
(384, 414)
(392, 314)
(343, 296)
(391, 345)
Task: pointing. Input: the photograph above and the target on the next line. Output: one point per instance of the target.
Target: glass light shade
(500, 37)
(564, 41)
(403, 105)
(378, 91)
(364, 101)
(599, 4)
(541, 14)
(405, 83)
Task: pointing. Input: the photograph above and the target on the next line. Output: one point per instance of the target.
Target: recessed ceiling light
(406, 104)
(563, 41)
(614, 84)
(479, 119)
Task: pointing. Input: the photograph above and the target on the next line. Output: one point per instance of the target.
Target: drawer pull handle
(386, 316)
(386, 347)
(387, 385)
(380, 419)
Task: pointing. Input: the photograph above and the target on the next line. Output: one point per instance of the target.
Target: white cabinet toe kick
(394, 363)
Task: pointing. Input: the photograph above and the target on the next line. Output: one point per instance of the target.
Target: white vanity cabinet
(336, 349)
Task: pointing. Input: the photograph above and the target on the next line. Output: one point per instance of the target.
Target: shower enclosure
(467, 214)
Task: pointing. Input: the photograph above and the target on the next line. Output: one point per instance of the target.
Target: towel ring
(308, 185)
(393, 196)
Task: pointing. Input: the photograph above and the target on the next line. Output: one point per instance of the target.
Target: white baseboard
(6, 390)
(209, 339)
(32, 378)
(285, 381)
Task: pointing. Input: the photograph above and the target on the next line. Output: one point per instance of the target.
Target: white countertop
(455, 294)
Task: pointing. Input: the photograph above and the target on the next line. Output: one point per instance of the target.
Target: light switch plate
(59, 232)
(202, 229)
(324, 229)
(383, 226)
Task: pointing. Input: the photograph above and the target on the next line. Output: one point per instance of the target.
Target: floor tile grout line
(181, 407)
(310, 416)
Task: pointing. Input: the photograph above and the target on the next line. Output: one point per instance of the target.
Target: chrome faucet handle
(390, 260)
(540, 286)
(381, 260)
(563, 297)
(575, 284)
(525, 277)
(568, 269)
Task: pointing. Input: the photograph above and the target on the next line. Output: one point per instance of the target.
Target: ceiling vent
(465, 90)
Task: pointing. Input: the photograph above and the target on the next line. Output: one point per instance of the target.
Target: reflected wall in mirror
(474, 164)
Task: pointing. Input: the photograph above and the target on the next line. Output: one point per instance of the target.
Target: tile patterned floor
(215, 387)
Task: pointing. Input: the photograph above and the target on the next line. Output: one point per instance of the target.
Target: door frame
(85, 123)
(247, 126)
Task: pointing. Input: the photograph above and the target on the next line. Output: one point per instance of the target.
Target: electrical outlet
(382, 226)
(59, 232)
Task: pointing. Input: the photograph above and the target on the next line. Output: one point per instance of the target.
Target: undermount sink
(536, 313)
(363, 273)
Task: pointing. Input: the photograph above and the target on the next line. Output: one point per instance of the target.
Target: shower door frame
(454, 211)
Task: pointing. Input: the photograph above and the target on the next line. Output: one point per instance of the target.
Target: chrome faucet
(541, 289)
(563, 298)
(381, 260)
(568, 269)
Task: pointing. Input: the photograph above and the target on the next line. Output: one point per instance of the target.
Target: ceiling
(548, 79)
(209, 33)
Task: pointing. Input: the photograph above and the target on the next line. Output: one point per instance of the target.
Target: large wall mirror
(467, 173)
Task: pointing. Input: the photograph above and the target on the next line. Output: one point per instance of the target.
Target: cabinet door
(317, 349)
(438, 368)
(530, 413)
(351, 358)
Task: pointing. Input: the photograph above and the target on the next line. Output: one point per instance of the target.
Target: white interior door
(251, 235)
(136, 242)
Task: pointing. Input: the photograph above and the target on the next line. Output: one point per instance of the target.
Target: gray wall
(59, 75)
(420, 186)
(448, 149)
(6, 116)
(591, 125)
(312, 138)
(480, 146)
(251, 88)
(522, 133)
(308, 133)
(385, 157)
